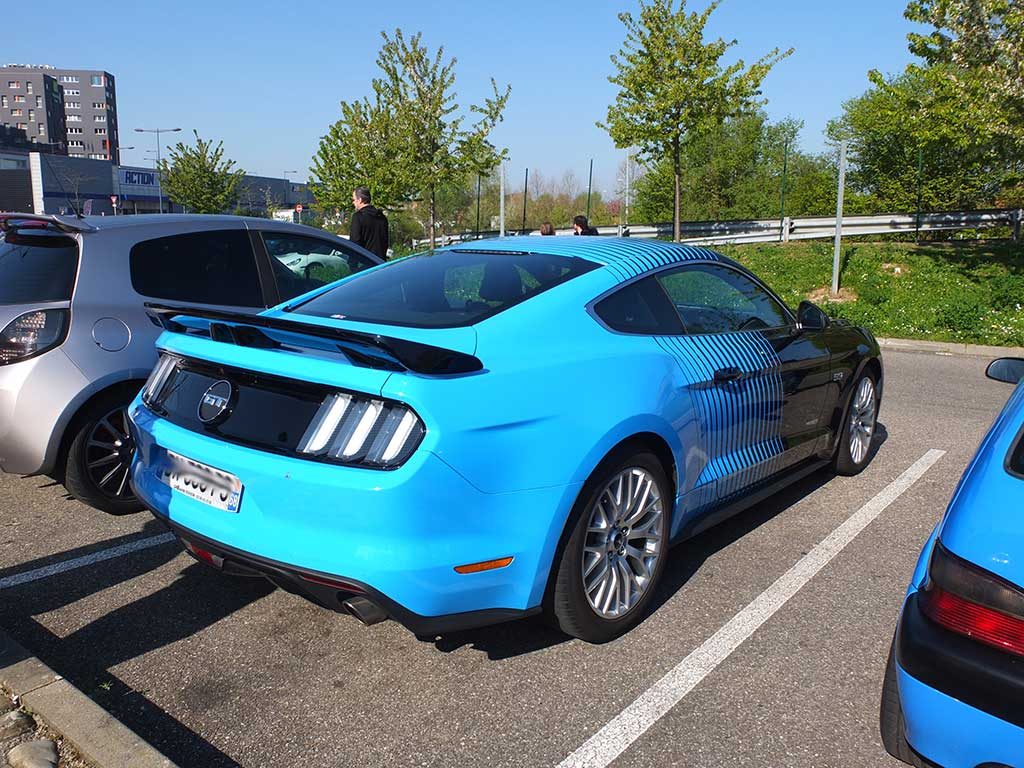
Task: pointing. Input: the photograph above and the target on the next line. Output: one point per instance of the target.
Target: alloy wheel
(862, 420)
(109, 453)
(623, 542)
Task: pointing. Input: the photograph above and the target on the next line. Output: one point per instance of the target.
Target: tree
(672, 86)
(735, 172)
(409, 142)
(199, 177)
(437, 149)
(75, 180)
(364, 148)
(981, 45)
(918, 117)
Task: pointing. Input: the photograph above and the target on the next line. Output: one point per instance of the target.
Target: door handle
(731, 373)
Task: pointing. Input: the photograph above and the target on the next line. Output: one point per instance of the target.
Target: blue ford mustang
(495, 429)
(953, 694)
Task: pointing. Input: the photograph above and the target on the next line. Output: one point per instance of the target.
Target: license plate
(201, 482)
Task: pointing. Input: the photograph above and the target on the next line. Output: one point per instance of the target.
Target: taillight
(363, 431)
(158, 379)
(32, 334)
(974, 603)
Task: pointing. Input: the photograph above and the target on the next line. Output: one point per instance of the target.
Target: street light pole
(159, 185)
(628, 169)
(839, 218)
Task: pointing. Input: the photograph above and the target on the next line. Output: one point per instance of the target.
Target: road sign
(298, 208)
(113, 199)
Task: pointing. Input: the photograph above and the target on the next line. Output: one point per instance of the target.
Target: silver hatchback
(76, 339)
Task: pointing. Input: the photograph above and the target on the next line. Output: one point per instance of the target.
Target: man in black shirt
(369, 225)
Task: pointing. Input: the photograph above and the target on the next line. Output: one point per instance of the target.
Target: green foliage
(366, 147)
(673, 88)
(980, 43)
(735, 172)
(915, 117)
(199, 178)
(410, 141)
(968, 293)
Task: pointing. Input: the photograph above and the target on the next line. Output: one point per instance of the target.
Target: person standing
(369, 225)
(581, 226)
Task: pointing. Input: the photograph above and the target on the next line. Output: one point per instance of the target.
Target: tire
(891, 723)
(851, 459)
(99, 457)
(638, 528)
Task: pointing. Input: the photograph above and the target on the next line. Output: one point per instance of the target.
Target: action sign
(113, 199)
(298, 208)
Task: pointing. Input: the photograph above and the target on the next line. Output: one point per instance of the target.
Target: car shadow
(190, 603)
(516, 638)
(90, 578)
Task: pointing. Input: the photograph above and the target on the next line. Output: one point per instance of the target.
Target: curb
(949, 348)
(98, 737)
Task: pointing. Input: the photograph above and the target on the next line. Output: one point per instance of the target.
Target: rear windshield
(444, 289)
(37, 266)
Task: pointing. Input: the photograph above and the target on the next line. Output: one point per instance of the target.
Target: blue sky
(267, 79)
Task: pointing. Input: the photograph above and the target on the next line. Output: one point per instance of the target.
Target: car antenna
(59, 184)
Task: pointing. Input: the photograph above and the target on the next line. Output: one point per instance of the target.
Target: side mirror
(1008, 369)
(811, 317)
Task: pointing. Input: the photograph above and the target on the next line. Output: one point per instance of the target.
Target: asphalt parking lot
(215, 671)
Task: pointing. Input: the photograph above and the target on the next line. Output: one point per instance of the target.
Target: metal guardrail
(797, 228)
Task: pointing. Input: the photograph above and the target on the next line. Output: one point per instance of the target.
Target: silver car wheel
(623, 542)
(109, 453)
(862, 420)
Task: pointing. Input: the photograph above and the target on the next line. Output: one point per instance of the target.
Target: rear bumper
(34, 396)
(312, 586)
(397, 535)
(961, 700)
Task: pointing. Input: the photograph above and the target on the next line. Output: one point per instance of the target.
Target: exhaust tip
(364, 609)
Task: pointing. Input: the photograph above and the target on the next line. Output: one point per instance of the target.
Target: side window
(309, 262)
(716, 299)
(639, 307)
(200, 267)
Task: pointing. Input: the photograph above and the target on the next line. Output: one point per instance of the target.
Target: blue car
(495, 429)
(953, 694)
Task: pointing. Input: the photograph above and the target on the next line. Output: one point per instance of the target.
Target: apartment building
(88, 109)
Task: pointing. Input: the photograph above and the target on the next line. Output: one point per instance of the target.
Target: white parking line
(80, 562)
(615, 737)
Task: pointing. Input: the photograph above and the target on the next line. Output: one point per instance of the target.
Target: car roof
(625, 257)
(157, 219)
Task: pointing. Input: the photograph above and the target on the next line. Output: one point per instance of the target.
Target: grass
(967, 292)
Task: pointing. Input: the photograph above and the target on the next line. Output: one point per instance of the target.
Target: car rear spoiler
(367, 349)
(9, 221)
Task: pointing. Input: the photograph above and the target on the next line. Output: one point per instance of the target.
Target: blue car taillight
(158, 379)
(364, 431)
(974, 603)
(32, 334)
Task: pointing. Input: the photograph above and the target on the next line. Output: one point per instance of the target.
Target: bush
(968, 292)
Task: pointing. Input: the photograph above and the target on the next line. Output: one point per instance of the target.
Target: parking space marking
(615, 737)
(80, 562)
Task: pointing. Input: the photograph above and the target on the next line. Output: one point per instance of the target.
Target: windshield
(444, 289)
(37, 266)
